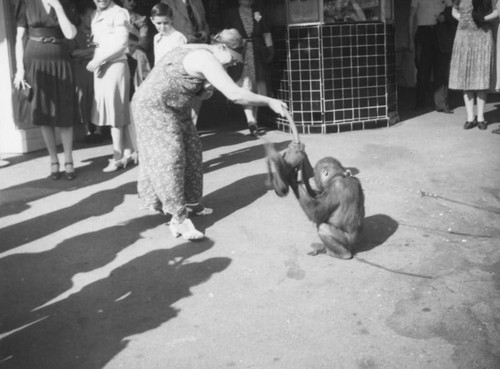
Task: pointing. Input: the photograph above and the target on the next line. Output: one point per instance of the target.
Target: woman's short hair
(162, 10)
(231, 38)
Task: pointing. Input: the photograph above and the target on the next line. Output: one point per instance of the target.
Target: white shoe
(185, 229)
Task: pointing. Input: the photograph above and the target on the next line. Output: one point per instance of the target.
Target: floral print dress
(170, 170)
(472, 52)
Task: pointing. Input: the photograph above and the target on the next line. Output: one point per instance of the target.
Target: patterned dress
(170, 170)
(472, 52)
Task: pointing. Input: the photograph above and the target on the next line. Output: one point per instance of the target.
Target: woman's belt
(47, 40)
(46, 35)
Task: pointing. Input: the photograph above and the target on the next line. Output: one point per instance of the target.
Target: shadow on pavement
(88, 329)
(232, 198)
(32, 229)
(493, 116)
(377, 229)
(16, 199)
(242, 156)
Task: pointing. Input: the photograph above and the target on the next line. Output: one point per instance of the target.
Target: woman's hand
(93, 65)
(53, 4)
(278, 106)
(19, 81)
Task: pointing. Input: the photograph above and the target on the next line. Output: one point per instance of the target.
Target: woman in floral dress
(472, 56)
(170, 171)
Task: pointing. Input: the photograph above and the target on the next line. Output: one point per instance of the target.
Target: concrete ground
(88, 280)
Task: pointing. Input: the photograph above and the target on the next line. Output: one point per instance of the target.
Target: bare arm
(204, 64)
(19, 81)
(359, 12)
(317, 210)
(109, 51)
(455, 13)
(492, 15)
(411, 26)
(67, 28)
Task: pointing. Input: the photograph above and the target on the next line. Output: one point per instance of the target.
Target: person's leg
(193, 188)
(67, 142)
(193, 185)
(49, 137)
(481, 101)
(469, 106)
(441, 72)
(251, 117)
(423, 63)
(117, 139)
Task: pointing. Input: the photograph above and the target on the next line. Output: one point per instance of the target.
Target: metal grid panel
(340, 77)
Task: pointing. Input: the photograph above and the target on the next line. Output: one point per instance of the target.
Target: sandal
(185, 229)
(198, 209)
(70, 174)
(54, 174)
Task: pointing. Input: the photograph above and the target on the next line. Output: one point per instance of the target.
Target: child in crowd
(137, 62)
(84, 80)
(167, 38)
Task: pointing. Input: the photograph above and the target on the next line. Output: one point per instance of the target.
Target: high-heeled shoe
(185, 229)
(468, 124)
(198, 209)
(114, 165)
(54, 174)
(254, 129)
(482, 125)
(69, 174)
(132, 158)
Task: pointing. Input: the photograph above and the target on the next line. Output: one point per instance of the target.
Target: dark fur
(336, 207)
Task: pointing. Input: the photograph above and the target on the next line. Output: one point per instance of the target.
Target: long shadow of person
(16, 199)
(88, 329)
(493, 116)
(32, 229)
(241, 156)
(231, 198)
(377, 229)
(27, 281)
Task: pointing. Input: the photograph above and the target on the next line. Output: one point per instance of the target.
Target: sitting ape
(333, 199)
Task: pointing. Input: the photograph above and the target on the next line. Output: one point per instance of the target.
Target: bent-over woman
(170, 171)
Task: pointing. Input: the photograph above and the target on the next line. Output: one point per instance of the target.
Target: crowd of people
(455, 43)
(98, 64)
(89, 64)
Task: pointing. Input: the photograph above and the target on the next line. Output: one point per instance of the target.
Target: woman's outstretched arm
(204, 64)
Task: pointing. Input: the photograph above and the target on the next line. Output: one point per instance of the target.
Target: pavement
(88, 280)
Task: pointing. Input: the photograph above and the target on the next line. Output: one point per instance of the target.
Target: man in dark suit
(445, 29)
(423, 23)
(189, 19)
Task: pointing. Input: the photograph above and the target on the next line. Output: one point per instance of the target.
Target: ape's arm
(318, 209)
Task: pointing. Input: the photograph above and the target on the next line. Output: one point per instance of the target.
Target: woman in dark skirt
(44, 64)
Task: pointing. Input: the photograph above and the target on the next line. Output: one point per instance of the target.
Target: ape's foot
(318, 249)
(185, 229)
(344, 255)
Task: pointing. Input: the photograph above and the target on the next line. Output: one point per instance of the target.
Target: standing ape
(333, 199)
